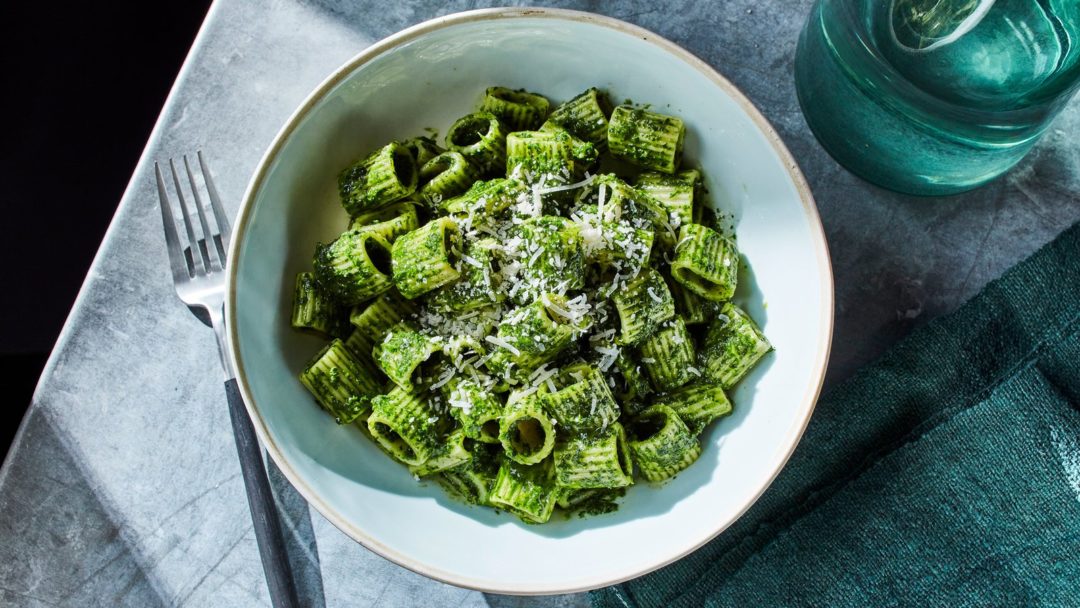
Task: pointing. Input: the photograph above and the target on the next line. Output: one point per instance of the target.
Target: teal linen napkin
(947, 473)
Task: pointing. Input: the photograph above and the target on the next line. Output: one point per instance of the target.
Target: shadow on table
(62, 546)
(300, 540)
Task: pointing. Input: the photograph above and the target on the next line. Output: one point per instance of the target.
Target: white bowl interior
(426, 82)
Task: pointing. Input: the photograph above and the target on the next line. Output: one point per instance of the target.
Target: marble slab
(123, 487)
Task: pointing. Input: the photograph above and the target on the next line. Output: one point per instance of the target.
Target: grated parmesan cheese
(446, 377)
(504, 344)
(607, 334)
(559, 310)
(585, 182)
(540, 370)
(459, 401)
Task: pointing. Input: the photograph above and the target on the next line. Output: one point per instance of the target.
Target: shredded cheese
(446, 377)
(540, 370)
(503, 343)
(585, 182)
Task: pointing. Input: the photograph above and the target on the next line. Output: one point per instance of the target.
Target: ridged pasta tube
(570, 498)
(355, 267)
(698, 404)
(553, 154)
(585, 116)
(375, 319)
(599, 460)
(732, 346)
(619, 201)
(314, 310)
(408, 357)
(445, 176)
(527, 491)
(428, 258)
(634, 387)
(553, 258)
(465, 484)
(693, 308)
(541, 161)
(706, 262)
(525, 431)
(643, 304)
(481, 138)
(388, 174)
(388, 222)
(406, 425)
(423, 149)
(477, 410)
(361, 346)
(583, 153)
(342, 383)
(474, 479)
(531, 336)
(584, 403)
(449, 454)
(614, 246)
(676, 193)
(646, 139)
(519, 109)
(661, 444)
(668, 355)
(485, 198)
(476, 287)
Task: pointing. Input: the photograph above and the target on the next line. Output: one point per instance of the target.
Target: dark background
(83, 85)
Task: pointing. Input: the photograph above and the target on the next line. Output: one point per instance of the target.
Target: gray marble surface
(123, 488)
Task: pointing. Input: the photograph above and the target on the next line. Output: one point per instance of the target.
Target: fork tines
(203, 251)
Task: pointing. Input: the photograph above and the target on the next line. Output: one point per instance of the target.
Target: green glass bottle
(934, 97)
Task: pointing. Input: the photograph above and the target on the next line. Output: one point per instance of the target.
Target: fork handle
(264, 515)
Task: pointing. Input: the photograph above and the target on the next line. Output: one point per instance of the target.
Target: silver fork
(198, 269)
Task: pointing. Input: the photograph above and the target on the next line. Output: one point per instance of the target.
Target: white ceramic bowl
(427, 76)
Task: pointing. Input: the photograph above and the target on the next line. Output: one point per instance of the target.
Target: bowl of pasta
(510, 329)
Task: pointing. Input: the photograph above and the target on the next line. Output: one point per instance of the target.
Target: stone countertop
(123, 487)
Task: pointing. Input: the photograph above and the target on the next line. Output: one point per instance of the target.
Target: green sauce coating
(531, 332)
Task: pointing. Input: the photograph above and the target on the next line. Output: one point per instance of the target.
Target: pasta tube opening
(404, 165)
(470, 130)
(489, 430)
(526, 432)
(648, 426)
(527, 436)
(379, 254)
(451, 244)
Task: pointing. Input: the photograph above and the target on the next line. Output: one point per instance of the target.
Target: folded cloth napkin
(947, 473)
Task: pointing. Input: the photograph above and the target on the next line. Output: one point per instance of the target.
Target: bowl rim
(404, 36)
